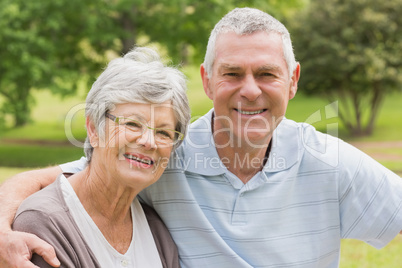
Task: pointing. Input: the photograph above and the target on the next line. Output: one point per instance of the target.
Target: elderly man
(249, 188)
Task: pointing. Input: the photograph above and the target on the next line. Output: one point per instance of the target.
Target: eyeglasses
(163, 136)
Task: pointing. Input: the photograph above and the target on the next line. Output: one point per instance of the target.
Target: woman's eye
(133, 124)
(164, 134)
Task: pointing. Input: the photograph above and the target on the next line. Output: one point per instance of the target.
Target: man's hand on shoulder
(16, 249)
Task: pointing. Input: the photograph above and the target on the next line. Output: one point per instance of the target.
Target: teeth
(145, 161)
(250, 112)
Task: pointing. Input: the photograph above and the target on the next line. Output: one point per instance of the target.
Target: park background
(50, 53)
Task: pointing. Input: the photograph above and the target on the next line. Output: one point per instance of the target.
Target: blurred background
(52, 51)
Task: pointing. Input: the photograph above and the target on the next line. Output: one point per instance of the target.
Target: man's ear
(295, 79)
(92, 133)
(205, 82)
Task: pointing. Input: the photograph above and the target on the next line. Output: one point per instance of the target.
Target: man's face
(250, 86)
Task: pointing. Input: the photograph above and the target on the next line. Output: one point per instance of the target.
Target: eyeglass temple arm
(112, 117)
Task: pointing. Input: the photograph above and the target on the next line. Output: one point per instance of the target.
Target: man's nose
(250, 89)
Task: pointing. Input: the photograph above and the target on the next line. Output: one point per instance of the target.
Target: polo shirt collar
(199, 155)
(284, 148)
(198, 150)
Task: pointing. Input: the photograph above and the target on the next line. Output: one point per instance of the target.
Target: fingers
(43, 249)
(16, 250)
(22, 263)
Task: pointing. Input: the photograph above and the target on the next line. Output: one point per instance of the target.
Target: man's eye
(267, 74)
(231, 74)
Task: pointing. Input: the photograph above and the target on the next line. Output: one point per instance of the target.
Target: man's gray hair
(244, 21)
(138, 77)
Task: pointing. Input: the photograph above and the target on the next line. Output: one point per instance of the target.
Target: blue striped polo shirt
(313, 191)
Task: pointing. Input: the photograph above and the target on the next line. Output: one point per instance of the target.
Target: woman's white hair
(244, 21)
(138, 77)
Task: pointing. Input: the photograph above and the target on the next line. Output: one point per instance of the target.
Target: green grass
(199, 102)
(15, 155)
(47, 131)
(388, 124)
(393, 164)
(357, 254)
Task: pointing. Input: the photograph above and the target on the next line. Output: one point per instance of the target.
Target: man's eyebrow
(227, 66)
(270, 68)
(263, 68)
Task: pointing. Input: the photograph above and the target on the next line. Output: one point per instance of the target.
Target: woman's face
(131, 153)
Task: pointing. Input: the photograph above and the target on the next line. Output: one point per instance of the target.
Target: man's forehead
(231, 44)
(261, 49)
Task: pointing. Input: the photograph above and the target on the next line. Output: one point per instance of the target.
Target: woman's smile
(139, 160)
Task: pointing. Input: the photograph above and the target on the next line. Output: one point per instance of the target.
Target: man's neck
(242, 160)
(245, 163)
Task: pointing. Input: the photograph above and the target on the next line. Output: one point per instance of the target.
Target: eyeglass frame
(116, 119)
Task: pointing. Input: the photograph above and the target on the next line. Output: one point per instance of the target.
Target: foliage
(349, 51)
(54, 44)
(183, 26)
(47, 44)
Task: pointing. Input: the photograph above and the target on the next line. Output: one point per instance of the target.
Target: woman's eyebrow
(167, 126)
(142, 119)
(134, 116)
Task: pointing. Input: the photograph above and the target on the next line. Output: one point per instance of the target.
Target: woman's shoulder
(46, 201)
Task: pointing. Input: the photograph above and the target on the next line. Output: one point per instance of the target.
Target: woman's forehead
(147, 111)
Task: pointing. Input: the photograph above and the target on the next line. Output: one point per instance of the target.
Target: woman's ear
(92, 133)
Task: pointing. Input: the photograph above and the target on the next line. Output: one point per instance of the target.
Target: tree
(47, 44)
(349, 51)
(184, 25)
(55, 44)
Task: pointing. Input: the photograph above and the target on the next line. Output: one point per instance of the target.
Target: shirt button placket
(238, 218)
(124, 263)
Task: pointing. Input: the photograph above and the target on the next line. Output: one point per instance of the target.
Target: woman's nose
(147, 139)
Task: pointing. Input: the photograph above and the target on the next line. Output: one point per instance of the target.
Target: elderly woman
(137, 112)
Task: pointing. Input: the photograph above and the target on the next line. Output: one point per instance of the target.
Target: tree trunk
(128, 24)
(184, 53)
(20, 118)
(357, 131)
(21, 108)
(375, 104)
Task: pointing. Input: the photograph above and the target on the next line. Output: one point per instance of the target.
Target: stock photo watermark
(325, 117)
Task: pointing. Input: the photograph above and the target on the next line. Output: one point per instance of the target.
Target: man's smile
(250, 112)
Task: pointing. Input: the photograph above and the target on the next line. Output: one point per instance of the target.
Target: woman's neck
(101, 196)
(108, 205)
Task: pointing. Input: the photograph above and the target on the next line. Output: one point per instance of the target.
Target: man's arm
(15, 247)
